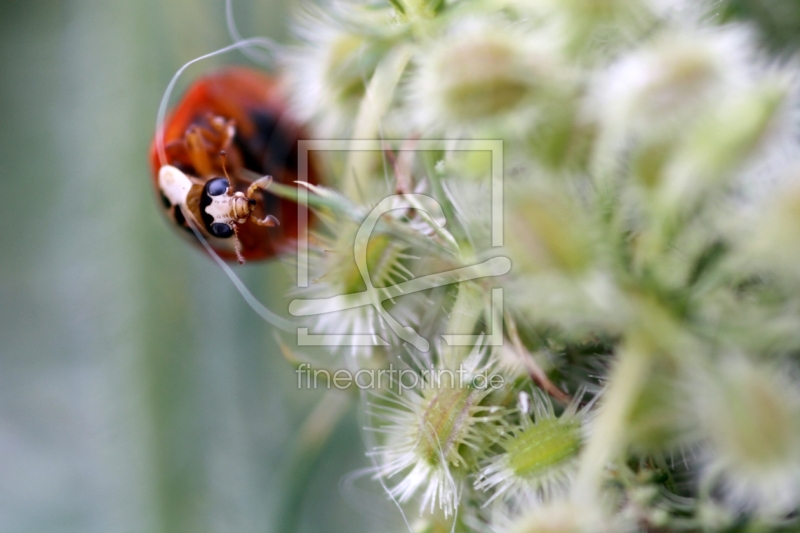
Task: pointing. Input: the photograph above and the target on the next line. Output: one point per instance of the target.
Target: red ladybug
(224, 142)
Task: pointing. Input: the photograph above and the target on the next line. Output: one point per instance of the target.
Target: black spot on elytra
(178, 214)
(186, 169)
(249, 159)
(271, 150)
(180, 220)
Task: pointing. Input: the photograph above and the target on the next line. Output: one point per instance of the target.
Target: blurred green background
(138, 393)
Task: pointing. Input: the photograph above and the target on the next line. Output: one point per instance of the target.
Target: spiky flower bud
(594, 29)
(329, 70)
(434, 434)
(665, 85)
(333, 272)
(480, 72)
(733, 133)
(750, 415)
(772, 242)
(539, 455)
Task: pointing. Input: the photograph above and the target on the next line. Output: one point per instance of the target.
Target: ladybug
(224, 143)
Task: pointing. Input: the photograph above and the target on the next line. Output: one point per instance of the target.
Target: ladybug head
(217, 208)
(222, 210)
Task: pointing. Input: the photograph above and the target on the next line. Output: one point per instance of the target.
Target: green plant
(652, 218)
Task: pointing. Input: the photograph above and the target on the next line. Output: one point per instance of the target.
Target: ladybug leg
(263, 184)
(177, 154)
(268, 221)
(225, 130)
(197, 150)
(220, 136)
(204, 143)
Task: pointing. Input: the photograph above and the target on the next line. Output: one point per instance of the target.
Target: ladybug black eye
(222, 231)
(217, 186)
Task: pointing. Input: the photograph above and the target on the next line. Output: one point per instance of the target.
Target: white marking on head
(221, 208)
(174, 184)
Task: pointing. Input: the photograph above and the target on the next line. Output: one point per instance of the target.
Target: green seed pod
(539, 456)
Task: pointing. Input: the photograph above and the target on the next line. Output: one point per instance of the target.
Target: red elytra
(242, 112)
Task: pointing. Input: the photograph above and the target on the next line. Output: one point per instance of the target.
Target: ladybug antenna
(269, 316)
(223, 157)
(237, 244)
(263, 184)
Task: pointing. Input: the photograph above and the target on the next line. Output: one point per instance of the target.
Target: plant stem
(608, 440)
(376, 102)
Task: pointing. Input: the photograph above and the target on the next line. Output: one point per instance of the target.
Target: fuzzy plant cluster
(635, 368)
